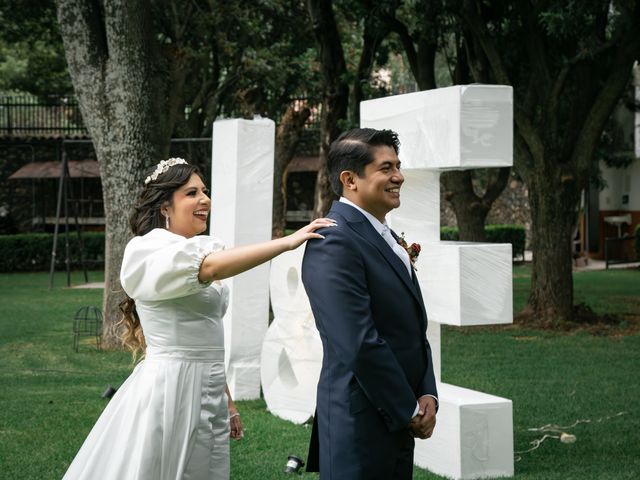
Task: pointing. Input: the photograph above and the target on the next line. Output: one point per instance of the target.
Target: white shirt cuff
(415, 412)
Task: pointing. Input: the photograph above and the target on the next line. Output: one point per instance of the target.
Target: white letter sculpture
(461, 127)
(242, 195)
(458, 127)
(292, 350)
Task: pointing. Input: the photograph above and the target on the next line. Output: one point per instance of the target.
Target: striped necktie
(397, 248)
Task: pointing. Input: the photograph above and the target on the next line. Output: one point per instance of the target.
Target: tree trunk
(324, 194)
(287, 138)
(553, 218)
(420, 48)
(116, 73)
(336, 93)
(120, 185)
(471, 209)
(371, 39)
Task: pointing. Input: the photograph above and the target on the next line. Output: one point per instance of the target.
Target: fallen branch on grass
(551, 430)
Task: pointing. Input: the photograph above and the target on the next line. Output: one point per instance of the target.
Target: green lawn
(614, 291)
(50, 395)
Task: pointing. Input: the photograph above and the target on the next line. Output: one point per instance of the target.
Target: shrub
(31, 252)
(449, 234)
(513, 234)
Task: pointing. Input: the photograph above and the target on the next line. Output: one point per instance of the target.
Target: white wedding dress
(169, 419)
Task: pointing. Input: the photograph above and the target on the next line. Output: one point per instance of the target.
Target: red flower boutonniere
(413, 250)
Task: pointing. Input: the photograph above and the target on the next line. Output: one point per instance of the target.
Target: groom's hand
(423, 423)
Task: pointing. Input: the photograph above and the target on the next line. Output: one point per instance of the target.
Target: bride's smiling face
(189, 208)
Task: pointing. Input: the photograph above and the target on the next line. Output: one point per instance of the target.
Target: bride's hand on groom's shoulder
(309, 231)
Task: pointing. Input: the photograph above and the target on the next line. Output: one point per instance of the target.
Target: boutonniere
(413, 250)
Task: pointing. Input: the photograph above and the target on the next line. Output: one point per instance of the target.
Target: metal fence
(59, 115)
(50, 115)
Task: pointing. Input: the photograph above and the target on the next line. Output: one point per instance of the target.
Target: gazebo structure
(84, 192)
(69, 210)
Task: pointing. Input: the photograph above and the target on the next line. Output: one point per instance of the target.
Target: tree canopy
(31, 52)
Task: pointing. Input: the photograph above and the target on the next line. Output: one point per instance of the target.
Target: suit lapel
(414, 277)
(363, 228)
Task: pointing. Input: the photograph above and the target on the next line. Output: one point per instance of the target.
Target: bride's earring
(166, 222)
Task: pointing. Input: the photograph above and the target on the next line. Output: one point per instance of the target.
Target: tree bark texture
(335, 96)
(121, 85)
(288, 136)
(553, 216)
(564, 92)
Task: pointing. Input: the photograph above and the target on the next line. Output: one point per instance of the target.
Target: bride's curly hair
(147, 215)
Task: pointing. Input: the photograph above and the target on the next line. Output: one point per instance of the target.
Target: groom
(377, 389)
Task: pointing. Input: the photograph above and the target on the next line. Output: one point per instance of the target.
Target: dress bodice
(160, 272)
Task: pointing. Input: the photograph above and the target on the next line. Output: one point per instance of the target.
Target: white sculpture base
(473, 436)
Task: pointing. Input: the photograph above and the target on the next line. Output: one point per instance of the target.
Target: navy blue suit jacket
(376, 359)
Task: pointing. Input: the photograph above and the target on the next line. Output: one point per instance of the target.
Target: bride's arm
(236, 430)
(227, 263)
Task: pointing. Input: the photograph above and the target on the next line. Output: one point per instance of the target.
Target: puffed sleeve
(161, 265)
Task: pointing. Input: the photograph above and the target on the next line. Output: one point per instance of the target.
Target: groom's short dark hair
(352, 151)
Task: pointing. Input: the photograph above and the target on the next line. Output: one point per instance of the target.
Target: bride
(172, 418)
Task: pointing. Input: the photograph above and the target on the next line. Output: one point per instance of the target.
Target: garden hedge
(31, 252)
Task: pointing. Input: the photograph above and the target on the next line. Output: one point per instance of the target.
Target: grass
(614, 291)
(557, 379)
(50, 395)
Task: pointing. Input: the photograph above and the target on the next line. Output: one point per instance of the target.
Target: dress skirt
(168, 421)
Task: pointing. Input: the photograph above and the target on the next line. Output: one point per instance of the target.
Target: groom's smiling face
(378, 189)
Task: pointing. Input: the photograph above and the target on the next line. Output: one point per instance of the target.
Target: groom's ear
(348, 180)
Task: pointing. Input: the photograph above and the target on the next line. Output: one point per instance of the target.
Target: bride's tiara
(162, 167)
